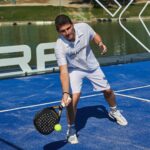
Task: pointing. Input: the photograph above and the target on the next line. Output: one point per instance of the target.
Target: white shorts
(96, 77)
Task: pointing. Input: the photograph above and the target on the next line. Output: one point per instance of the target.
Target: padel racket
(45, 120)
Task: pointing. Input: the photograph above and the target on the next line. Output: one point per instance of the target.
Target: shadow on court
(55, 145)
(8, 145)
(83, 114)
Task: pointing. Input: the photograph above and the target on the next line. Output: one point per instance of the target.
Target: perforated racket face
(45, 120)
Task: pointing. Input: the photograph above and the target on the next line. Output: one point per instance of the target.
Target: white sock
(113, 109)
(71, 125)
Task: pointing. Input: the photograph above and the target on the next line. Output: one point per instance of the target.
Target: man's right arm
(64, 77)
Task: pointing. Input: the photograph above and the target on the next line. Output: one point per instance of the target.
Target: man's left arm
(98, 40)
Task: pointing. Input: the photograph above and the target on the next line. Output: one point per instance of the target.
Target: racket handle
(63, 104)
(68, 100)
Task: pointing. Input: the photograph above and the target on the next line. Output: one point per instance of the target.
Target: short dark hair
(61, 20)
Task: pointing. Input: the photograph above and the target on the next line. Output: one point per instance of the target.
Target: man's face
(67, 31)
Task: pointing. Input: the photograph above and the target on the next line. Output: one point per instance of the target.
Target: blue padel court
(21, 98)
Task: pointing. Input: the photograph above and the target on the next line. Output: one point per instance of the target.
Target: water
(119, 43)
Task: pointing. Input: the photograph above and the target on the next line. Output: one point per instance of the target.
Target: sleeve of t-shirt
(91, 32)
(60, 54)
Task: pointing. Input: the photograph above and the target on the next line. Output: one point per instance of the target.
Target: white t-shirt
(77, 54)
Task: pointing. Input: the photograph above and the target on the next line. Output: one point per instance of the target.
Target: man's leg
(71, 115)
(110, 97)
(114, 113)
(100, 83)
(72, 108)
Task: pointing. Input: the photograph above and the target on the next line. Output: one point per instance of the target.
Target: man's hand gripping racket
(46, 119)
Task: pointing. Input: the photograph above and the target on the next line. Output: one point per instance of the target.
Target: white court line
(43, 104)
(129, 89)
(107, 10)
(25, 107)
(82, 97)
(141, 18)
(133, 97)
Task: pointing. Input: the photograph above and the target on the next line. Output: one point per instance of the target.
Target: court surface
(21, 98)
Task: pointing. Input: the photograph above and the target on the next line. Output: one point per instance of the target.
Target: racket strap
(67, 93)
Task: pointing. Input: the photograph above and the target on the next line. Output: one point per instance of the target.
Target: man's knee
(108, 93)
